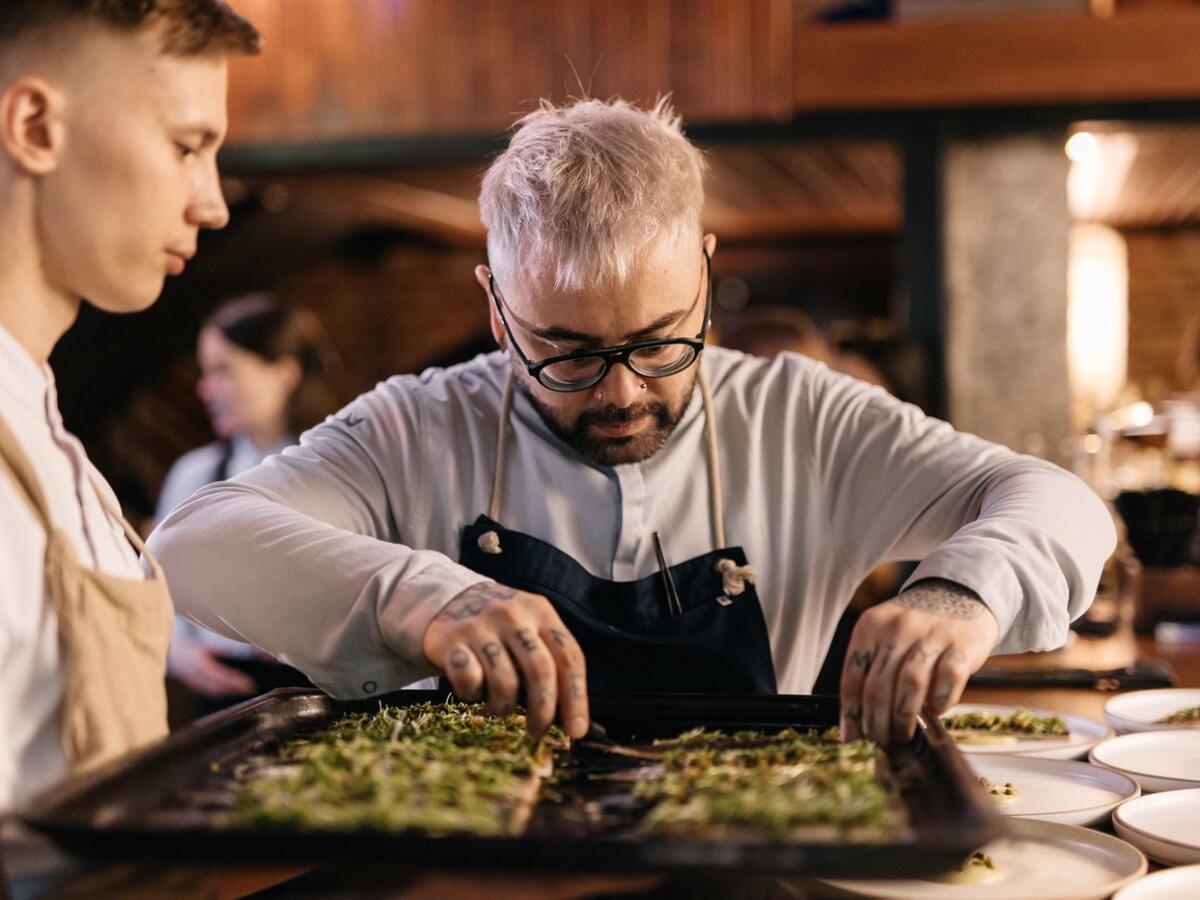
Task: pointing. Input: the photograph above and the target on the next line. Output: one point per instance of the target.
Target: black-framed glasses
(651, 359)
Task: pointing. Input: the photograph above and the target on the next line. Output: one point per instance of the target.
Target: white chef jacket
(190, 472)
(336, 554)
(31, 682)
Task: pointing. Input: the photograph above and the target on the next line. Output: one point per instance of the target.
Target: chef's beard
(636, 448)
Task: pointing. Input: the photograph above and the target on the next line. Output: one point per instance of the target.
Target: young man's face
(137, 176)
(615, 421)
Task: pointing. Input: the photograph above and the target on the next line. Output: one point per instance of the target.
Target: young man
(111, 113)
(565, 502)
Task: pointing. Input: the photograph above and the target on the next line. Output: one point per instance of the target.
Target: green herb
(1189, 715)
(1022, 722)
(434, 767)
(779, 785)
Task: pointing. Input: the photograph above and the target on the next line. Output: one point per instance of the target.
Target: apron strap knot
(734, 578)
(489, 542)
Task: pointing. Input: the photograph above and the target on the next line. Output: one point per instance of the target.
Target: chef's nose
(620, 387)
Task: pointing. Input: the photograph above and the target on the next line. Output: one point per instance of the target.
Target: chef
(111, 114)
(605, 504)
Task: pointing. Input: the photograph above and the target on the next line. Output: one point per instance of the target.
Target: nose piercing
(643, 386)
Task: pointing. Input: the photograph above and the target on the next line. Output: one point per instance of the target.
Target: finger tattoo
(919, 654)
(559, 638)
(862, 660)
(528, 644)
(491, 652)
(854, 714)
(575, 679)
(459, 659)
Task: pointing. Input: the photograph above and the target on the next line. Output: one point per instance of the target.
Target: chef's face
(625, 417)
(133, 176)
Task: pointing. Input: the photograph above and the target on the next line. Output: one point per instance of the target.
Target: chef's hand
(194, 663)
(916, 650)
(494, 637)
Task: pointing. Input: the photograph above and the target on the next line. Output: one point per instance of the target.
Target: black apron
(633, 638)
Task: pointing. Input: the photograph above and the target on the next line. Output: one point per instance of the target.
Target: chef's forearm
(346, 609)
(1033, 553)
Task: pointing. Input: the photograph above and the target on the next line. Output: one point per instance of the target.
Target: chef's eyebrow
(557, 333)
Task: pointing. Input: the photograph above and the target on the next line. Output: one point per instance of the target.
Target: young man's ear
(481, 276)
(32, 131)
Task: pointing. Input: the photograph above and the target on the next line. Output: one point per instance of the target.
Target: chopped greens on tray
(446, 768)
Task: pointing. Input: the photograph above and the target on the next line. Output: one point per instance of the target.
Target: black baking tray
(165, 801)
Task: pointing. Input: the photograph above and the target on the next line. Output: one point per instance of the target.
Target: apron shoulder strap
(23, 476)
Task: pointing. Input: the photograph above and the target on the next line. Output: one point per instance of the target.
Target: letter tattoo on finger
(575, 680)
(491, 652)
(528, 644)
(459, 658)
(862, 660)
(560, 639)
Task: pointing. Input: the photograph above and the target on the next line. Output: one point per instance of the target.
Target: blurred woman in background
(266, 375)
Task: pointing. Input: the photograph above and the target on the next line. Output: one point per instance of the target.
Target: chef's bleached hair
(583, 189)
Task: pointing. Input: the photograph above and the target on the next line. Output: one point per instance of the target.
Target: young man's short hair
(189, 27)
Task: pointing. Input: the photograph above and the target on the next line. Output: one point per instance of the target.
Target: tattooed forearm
(942, 598)
(475, 600)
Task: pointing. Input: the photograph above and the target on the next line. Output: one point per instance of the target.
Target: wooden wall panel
(370, 68)
(1033, 60)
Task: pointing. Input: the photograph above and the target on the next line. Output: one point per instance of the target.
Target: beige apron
(113, 633)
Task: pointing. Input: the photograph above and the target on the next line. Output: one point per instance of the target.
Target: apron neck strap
(30, 488)
(710, 439)
(23, 476)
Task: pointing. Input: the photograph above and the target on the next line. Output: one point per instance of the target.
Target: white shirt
(190, 472)
(336, 554)
(31, 685)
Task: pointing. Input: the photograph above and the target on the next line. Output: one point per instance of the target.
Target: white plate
(1141, 710)
(1084, 734)
(1057, 790)
(1036, 859)
(1166, 826)
(1170, 884)
(1157, 760)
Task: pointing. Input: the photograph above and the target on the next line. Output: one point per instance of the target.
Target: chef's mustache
(615, 415)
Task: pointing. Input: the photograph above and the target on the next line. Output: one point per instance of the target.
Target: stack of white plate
(1165, 826)
(1145, 710)
(1169, 884)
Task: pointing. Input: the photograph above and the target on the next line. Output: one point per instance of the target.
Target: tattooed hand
(915, 651)
(493, 638)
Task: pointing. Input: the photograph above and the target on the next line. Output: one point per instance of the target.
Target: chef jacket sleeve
(1028, 537)
(302, 555)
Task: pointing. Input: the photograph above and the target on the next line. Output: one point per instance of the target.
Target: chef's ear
(482, 275)
(32, 126)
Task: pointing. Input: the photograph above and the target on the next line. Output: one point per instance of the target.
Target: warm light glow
(1141, 414)
(1097, 319)
(1082, 146)
(1093, 444)
(1099, 166)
